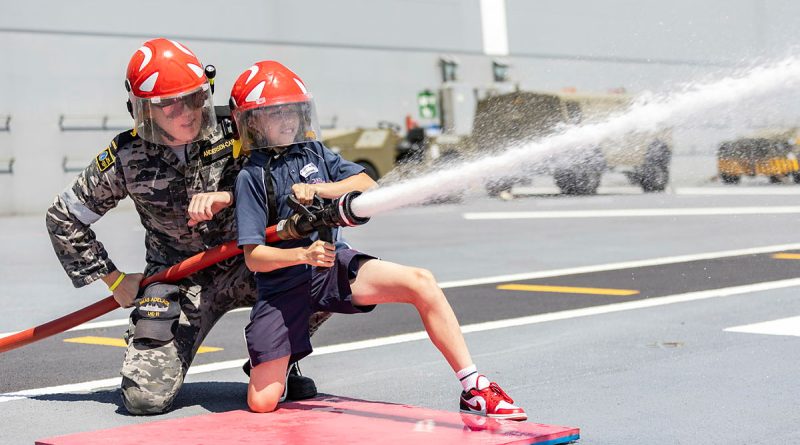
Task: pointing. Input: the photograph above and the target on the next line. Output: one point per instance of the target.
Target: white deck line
(416, 336)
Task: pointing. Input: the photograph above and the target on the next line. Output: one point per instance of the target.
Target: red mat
(328, 419)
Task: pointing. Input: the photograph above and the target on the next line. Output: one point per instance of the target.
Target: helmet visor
(175, 120)
(277, 125)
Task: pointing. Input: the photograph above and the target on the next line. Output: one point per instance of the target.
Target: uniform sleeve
(338, 167)
(251, 213)
(91, 194)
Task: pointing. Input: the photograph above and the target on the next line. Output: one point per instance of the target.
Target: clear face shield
(277, 125)
(175, 120)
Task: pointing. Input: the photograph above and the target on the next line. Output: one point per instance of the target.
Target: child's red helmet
(270, 89)
(268, 83)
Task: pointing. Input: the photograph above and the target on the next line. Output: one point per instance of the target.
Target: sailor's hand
(127, 289)
(320, 254)
(204, 206)
(304, 193)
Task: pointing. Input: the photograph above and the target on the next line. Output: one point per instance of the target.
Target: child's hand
(304, 192)
(320, 254)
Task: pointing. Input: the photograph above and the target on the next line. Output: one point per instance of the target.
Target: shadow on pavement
(212, 396)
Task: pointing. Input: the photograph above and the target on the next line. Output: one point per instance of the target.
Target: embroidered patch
(308, 170)
(217, 151)
(105, 159)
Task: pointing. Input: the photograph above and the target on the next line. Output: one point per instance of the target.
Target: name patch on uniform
(217, 151)
(308, 170)
(105, 159)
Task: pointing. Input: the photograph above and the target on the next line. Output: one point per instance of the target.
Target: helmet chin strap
(163, 133)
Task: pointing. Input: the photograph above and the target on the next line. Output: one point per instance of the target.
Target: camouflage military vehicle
(770, 153)
(522, 116)
(375, 149)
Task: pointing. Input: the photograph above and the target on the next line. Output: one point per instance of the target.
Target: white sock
(470, 378)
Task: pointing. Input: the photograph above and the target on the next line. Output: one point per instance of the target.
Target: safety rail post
(9, 168)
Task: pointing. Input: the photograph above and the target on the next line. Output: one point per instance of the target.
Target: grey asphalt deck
(667, 374)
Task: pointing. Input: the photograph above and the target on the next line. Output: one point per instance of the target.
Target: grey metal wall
(364, 60)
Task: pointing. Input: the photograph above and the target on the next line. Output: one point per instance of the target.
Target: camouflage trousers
(153, 371)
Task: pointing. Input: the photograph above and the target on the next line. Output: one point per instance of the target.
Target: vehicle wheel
(655, 178)
(654, 174)
(775, 179)
(369, 169)
(578, 182)
(565, 181)
(796, 177)
(729, 179)
(591, 182)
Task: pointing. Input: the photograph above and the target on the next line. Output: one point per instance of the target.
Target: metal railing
(8, 169)
(101, 126)
(68, 167)
(6, 164)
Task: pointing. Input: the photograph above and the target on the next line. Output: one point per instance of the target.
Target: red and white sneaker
(491, 401)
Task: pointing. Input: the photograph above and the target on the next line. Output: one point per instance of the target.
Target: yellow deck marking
(567, 289)
(786, 256)
(108, 341)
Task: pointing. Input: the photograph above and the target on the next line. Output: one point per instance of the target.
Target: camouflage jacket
(161, 187)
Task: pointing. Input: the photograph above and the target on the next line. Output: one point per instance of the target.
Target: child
(275, 115)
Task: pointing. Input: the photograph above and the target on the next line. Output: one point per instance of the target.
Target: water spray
(646, 115)
(355, 209)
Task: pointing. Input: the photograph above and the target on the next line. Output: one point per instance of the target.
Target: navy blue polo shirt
(307, 162)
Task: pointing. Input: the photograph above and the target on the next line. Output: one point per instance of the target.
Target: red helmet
(170, 94)
(272, 107)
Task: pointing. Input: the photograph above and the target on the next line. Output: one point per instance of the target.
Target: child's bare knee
(262, 403)
(424, 288)
(424, 276)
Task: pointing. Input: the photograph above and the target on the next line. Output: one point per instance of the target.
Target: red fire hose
(108, 304)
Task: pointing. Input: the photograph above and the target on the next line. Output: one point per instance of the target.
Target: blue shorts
(279, 323)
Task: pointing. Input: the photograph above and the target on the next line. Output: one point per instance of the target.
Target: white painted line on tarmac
(734, 191)
(61, 389)
(534, 275)
(783, 326)
(622, 265)
(108, 324)
(786, 190)
(421, 335)
(627, 213)
(544, 190)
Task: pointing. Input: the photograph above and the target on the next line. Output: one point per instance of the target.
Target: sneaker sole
(519, 417)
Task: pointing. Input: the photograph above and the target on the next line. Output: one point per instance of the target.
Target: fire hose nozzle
(319, 217)
(344, 206)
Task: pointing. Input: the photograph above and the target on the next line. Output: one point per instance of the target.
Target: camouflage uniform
(161, 186)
